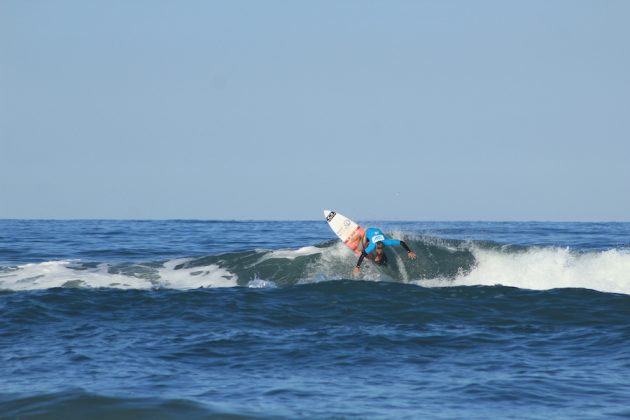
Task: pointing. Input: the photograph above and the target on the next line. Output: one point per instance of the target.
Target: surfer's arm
(410, 253)
(364, 254)
(361, 257)
(393, 242)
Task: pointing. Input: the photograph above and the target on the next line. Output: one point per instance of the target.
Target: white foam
(261, 284)
(546, 268)
(195, 277)
(51, 274)
(65, 273)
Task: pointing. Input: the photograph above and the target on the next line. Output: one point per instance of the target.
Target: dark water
(196, 319)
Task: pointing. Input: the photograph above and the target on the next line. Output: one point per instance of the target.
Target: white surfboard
(348, 231)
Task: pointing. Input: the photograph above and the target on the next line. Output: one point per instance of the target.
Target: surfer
(374, 241)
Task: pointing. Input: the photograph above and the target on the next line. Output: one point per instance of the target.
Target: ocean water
(228, 319)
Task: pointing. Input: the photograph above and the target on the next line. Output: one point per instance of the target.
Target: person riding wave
(375, 241)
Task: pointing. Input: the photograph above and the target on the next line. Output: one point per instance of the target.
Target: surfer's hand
(356, 270)
(411, 255)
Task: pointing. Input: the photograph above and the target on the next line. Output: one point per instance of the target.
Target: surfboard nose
(328, 214)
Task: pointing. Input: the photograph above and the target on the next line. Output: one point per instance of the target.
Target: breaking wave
(440, 263)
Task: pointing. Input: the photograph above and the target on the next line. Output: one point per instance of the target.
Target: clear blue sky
(416, 110)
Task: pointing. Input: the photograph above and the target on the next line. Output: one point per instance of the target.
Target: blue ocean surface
(107, 319)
